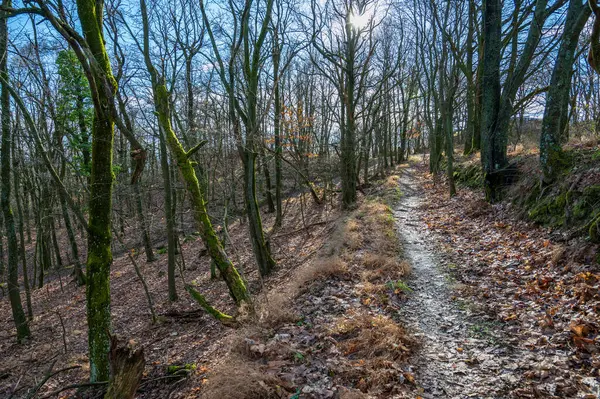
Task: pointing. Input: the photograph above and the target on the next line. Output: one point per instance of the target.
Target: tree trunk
(262, 252)
(77, 272)
(170, 216)
(139, 206)
(100, 257)
(235, 283)
(248, 153)
(491, 154)
(9, 224)
(55, 246)
(268, 185)
(470, 123)
(552, 159)
(20, 228)
(277, 131)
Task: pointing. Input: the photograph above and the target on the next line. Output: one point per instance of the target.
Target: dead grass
(377, 343)
(328, 267)
(584, 140)
(240, 379)
(558, 253)
(392, 181)
(363, 247)
(383, 268)
(277, 308)
(372, 337)
(349, 393)
(477, 208)
(277, 311)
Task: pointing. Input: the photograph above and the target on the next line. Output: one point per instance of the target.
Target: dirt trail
(463, 354)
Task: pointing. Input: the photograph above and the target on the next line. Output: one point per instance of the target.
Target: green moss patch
(550, 210)
(470, 175)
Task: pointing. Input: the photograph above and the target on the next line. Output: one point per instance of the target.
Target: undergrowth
(361, 254)
(571, 203)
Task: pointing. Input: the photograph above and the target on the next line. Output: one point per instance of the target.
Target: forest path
(462, 354)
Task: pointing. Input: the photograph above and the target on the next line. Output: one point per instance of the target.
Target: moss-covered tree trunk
(5, 189)
(262, 251)
(477, 121)
(251, 69)
(234, 281)
(236, 285)
(471, 131)
(277, 129)
(498, 104)
(348, 172)
(170, 217)
(557, 99)
(246, 111)
(100, 204)
(268, 183)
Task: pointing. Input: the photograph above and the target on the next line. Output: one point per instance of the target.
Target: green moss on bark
(222, 317)
(101, 181)
(595, 230)
(235, 283)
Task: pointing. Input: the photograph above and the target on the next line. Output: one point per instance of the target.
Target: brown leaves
(582, 337)
(580, 330)
(585, 344)
(526, 276)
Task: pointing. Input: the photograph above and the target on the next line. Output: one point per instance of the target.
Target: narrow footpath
(462, 353)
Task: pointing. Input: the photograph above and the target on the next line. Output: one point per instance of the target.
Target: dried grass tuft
(376, 343)
(238, 379)
(321, 268)
(353, 240)
(373, 208)
(392, 182)
(558, 253)
(370, 288)
(278, 310)
(590, 141)
(351, 393)
(241, 342)
(328, 267)
(352, 225)
(374, 337)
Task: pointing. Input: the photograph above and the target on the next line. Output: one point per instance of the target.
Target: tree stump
(126, 368)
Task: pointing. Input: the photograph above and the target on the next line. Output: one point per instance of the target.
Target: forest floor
(326, 322)
(410, 295)
(503, 308)
(185, 336)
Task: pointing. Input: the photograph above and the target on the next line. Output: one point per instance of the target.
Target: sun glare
(360, 21)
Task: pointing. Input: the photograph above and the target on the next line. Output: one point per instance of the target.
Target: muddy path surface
(463, 353)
